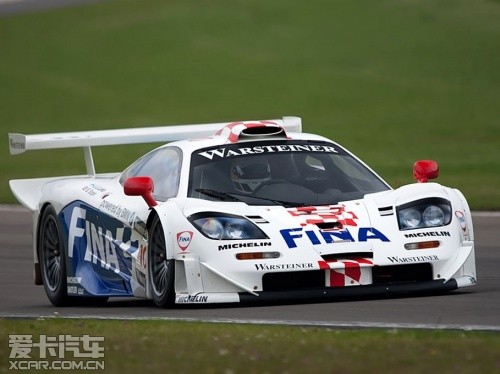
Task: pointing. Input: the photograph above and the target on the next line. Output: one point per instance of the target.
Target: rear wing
(19, 143)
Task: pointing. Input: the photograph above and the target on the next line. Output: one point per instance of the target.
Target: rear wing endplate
(19, 143)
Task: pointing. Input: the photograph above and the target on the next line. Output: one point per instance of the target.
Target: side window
(163, 166)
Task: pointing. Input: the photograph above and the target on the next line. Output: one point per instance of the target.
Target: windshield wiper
(224, 196)
(228, 196)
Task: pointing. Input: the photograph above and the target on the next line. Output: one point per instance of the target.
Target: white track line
(332, 325)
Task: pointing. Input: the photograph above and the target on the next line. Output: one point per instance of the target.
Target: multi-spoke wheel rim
(160, 266)
(51, 254)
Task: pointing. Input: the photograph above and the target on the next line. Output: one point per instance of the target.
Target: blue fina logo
(108, 245)
(328, 237)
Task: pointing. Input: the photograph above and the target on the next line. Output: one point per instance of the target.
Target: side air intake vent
(257, 219)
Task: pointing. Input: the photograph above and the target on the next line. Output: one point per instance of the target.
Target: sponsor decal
(291, 236)
(244, 245)
(184, 239)
(183, 299)
(118, 211)
(123, 214)
(74, 290)
(406, 260)
(100, 244)
(461, 219)
(93, 189)
(226, 152)
(16, 145)
(427, 234)
(292, 266)
(73, 280)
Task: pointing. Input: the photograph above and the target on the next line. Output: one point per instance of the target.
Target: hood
(339, 228)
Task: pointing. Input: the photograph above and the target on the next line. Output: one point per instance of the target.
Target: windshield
(286, 172)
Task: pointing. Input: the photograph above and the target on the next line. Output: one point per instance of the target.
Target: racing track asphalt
(470, 308)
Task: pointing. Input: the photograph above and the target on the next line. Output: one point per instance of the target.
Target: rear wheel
(52, 257)
(160, 268)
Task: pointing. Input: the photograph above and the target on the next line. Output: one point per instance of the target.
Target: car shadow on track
(143, 303)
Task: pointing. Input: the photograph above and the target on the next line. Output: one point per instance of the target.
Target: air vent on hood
(386, 211)
(329, 225)
(244, 131)
(257, 219)
(267, 131)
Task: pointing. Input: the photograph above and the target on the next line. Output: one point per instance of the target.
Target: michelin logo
(427, 234)
(243, 245)
(187, 299)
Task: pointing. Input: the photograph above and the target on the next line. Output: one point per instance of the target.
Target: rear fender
(29, 191)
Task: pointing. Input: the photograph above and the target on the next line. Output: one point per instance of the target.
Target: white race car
(240, 212)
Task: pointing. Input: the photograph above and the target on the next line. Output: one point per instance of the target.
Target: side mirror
(140, 186)
(424, 170)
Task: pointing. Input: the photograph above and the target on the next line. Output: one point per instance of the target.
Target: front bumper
(331, 293)
(378, 290)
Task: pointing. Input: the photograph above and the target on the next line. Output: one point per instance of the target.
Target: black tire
(160, 268)
(52, 258)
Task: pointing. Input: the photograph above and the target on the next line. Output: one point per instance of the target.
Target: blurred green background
(392, 80)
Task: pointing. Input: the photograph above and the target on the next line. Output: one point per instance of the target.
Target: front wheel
(160, 268)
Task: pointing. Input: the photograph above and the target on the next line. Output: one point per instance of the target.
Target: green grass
(185, 347)
(394, 81)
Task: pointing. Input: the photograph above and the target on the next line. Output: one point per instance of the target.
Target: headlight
(410, 218)
(433, 216)
(420, 214)
(212, 228)
(221, 226)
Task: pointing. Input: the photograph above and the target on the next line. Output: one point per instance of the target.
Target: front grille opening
(402, 273)
(347, 256)
(287, 281)
(299, 280)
